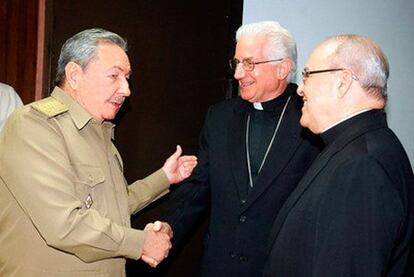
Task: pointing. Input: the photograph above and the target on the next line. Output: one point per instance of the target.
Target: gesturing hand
(178, 167)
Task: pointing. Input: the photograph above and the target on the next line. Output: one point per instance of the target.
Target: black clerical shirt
(261, 128)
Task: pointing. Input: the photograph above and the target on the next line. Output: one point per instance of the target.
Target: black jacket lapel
(237, 147)
(356, 126)
(316, 167)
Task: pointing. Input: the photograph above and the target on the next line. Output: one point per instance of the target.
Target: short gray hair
(365, 59)
(81, 49)
(280, 42)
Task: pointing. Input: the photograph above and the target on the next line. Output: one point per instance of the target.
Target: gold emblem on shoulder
(50, 106)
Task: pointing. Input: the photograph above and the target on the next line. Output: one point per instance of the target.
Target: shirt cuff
(132, 244)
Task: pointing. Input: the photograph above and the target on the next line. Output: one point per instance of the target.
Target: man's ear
(283, 69)
(73, 73)
(344, 82)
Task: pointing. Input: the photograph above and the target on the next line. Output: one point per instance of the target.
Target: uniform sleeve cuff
(158, 179)
(132, 244)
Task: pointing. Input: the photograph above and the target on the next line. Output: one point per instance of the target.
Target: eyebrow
(248, 58)
(121, 69)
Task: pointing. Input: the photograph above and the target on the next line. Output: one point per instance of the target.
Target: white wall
(389, 23)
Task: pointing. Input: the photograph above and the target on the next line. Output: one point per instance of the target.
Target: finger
(157, 226)
(169, 230)
(187, 171)
(177, 152)
(189, 165)
(190, 159)
(149, 226)
(166, 237)
(150, 261)
(166, 229)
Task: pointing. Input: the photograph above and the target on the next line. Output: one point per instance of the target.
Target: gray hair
(365, 59)
(81, 49)
(280, 42)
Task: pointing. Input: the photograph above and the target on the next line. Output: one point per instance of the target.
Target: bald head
(364, 58)
(344, 75)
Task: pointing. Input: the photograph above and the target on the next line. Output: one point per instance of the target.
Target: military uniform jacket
(65, 204)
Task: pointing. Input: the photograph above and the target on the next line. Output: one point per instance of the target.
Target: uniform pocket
(89, 186)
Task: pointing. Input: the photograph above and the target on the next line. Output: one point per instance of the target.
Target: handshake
(157, 242)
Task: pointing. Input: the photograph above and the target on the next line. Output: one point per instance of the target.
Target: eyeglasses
(306, 72)
(248, 64)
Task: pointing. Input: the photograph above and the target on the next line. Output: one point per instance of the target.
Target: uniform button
(243, 259)
(243, 202)
(242, 218)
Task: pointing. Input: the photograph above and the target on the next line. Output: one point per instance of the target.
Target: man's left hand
(178, 167)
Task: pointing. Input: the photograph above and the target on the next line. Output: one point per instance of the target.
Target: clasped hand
(157, 242)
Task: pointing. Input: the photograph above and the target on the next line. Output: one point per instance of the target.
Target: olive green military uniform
(64, 203)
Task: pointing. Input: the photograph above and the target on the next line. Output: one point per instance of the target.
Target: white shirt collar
(258, 106)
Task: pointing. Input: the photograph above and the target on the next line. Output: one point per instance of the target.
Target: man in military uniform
(65, 204)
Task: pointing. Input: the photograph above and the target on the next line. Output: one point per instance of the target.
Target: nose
(124, 87)
(239, 72)
(299, 91)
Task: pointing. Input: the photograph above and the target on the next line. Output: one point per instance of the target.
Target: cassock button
(242, 218)
(243, 259)
(243, 202)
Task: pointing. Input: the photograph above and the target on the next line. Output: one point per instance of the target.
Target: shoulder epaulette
(50, 106)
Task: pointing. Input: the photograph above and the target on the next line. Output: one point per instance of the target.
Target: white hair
(365, 59)
(280, 42)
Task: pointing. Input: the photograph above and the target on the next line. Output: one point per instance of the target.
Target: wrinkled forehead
(250, 46)
(113, 55)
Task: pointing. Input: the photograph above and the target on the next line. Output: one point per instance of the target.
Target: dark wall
(179, 52)
(18, 46)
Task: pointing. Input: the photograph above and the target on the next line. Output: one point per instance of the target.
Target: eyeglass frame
(306, 73)
(235, 62)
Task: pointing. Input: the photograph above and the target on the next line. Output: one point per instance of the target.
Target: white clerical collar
(344, 119)
(258, 106)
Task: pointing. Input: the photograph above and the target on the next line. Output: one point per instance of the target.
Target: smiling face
(102, 86)
(260, 84)
(319, 92)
